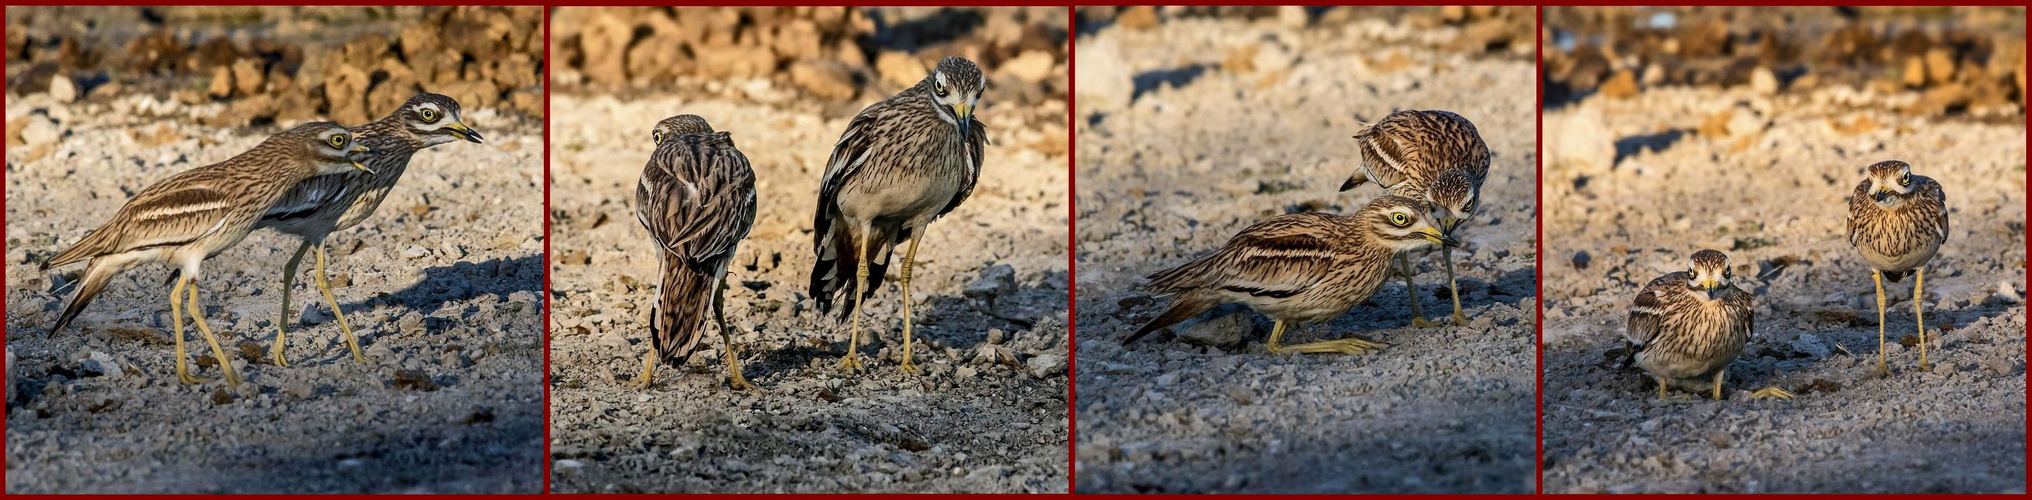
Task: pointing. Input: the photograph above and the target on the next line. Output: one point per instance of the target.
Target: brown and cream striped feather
(697, 199)
(1902, 236)
(899, 165)
(1675, 332)
(1407, 150)
(1301, 267)
(200, 212)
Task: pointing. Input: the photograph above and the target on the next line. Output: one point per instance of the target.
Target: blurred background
(1916, 60)
(286, 64)
(831, 54)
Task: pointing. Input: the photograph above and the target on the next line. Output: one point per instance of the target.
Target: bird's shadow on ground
(443, 285)
(955, 321)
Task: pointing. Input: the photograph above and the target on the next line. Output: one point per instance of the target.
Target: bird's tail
(683, 302)
(96, 276)
(1182, 307)
(838, 260)
(85, 248)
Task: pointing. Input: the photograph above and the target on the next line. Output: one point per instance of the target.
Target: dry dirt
(991, 285)
(443, 286)
(1635, 185)
(1194, 128)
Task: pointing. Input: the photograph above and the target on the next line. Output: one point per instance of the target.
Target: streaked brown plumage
(320, 206)
(697, 199)
(1692, 323)
(1302, 268)
(902, 162)
(1436, 156)
(193, 215)
(1898, 221)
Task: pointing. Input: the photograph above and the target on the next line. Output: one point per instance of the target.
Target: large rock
(824, 78)
(1032, 66)
(604, 43)
(660, 57)
(736, 61)
(900, 69)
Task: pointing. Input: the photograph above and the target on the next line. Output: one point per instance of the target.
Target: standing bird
(1302, 268)
(1691, 324)
(1436, 156)
(193, 215)
(903, 162)
(1898, 221)
(697, 199)
(320, 206)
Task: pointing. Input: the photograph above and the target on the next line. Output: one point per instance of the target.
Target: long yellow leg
(1341, 346)
(648, 376)
(1411, 291)
(1447, 254)
(1718, 376)
(1661, 388)
(176, 315)
(909, 256)
(1883, 369)
(333, 301)
(1919, 314)
(852, 362)
(282, 322)
(197, 314)
(734, 377)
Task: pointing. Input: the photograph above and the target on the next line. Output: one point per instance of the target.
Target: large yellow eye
(1469, 207)
(656, 136)
(1400, 219)
(429, 115)
(339, 140)
(1905, 180)
(938, 87)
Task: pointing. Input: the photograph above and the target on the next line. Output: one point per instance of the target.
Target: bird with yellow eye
(1898, 222)
(1693, 324)
(1436, 156)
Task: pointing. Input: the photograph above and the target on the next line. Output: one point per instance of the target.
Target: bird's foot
(276, 357)
(1459, 319)
(910, 367)
(1925, 366)
(187, 379)
(1421, 322)
(852, 363)
(739, 383)
(1882, 371)
(1772, 392)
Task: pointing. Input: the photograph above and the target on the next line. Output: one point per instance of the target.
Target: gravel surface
(443, 286)
(1210, 144)
(1637, 185)
(991, 289)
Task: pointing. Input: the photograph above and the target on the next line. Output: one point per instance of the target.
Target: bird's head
(1710, 273)
(1454, 198)
(679, 125)
(1403, 223)
(1890, 181)
(329, 147)
(956, 86)
(435, 119)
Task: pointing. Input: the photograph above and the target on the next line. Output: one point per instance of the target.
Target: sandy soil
(442, 285)
(1210, 145)
(967, 424)
(1635, 186)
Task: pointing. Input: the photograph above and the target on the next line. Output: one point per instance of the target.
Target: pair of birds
(309, 181)
(1311, 267)
(903, 162)
(1694, 323)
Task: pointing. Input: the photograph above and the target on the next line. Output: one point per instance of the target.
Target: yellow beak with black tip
(1438, 237)
(966, 114)
(361, 148)
(460, 129)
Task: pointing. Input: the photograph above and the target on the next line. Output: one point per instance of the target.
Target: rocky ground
(1639, 181)
(443, 286)
(1194, 127)
(988, 414)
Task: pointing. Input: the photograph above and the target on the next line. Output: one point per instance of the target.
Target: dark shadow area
(1176, 77)
(465, 280)
(1632, 145)
(948, 24)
